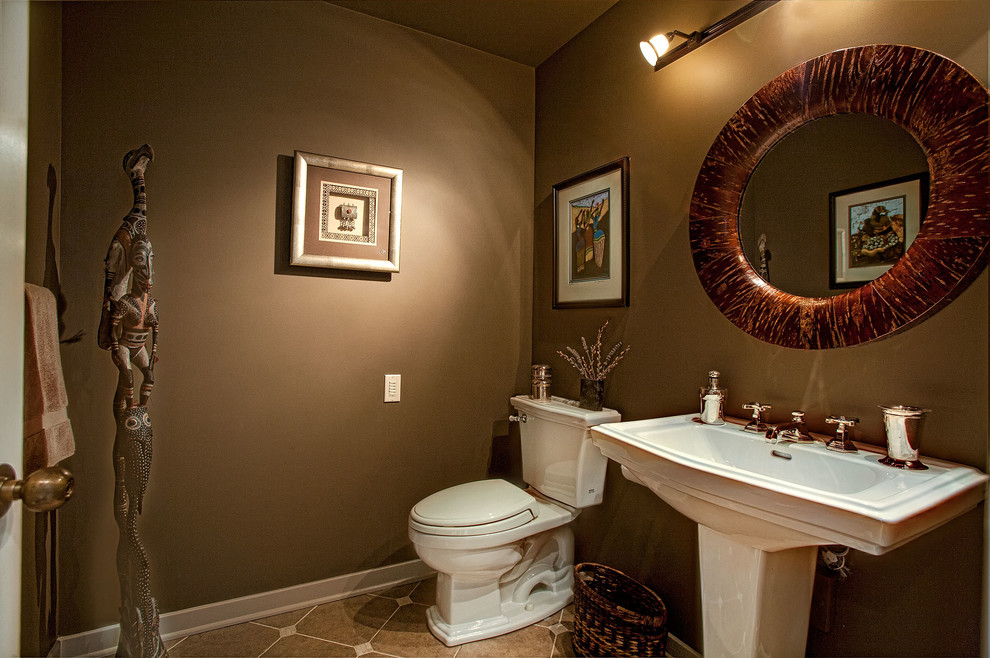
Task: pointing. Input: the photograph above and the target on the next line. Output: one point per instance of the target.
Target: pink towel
(47, 433)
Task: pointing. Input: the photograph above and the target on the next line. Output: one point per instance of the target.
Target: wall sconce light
(656, 49)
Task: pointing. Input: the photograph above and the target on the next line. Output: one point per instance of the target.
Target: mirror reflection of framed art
(872, 226)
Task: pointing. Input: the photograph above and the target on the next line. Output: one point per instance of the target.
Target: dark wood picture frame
(942, 106)
(591, 238)
(903, 201)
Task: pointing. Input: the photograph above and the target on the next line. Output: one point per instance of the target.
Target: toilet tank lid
(565, 411)
(474, 503)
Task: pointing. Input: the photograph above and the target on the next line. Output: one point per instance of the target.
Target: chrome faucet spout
(779, 432)
(793, 431)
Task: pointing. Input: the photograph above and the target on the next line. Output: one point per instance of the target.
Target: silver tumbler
(903, 426)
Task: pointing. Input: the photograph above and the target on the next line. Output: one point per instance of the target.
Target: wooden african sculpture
(132, 317)
(127, 321)
(117, 263)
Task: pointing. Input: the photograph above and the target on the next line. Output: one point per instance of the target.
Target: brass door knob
(43, 490)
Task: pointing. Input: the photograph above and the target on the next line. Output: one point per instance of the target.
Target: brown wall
(597, 100)
(276, 462)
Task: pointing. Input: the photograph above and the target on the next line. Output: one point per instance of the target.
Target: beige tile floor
(390, 622)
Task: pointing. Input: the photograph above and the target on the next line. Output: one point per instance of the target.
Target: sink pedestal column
(755, 603)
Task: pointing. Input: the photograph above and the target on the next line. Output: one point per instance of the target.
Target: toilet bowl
(504, 556)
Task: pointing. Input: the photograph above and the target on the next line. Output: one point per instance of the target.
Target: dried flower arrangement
(592, 365)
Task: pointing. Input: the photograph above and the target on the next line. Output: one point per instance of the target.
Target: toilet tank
(559, 459)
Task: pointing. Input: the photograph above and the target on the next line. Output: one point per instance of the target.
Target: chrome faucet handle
(793, 431)
(758, 424)
(520, 418)
(843, 434)
(798, 433)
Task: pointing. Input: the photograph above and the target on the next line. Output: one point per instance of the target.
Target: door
(13, 208)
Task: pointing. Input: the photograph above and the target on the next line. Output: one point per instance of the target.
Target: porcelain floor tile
(295, 646)
(233, 641)
(398, 591)
(524, 643)
(563, 645)
(425, 592)
(406, 634)
(286, 619)
(351, 621)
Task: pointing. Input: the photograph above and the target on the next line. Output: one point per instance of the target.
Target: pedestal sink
(763, 509)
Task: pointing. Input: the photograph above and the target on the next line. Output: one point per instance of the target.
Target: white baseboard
(200, 619)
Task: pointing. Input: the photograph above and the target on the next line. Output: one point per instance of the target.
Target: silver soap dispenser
(713, 401)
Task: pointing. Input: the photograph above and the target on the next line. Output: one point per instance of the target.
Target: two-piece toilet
(505, 556)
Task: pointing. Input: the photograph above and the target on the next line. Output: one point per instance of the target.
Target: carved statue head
(141, 261)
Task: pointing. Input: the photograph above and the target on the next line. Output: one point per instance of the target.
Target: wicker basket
(616, 616)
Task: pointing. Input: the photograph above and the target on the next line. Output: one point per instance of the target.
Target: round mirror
(942, 107)
(798, 227)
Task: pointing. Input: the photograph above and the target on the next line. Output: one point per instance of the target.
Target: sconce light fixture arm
(699, 38)
(677, 33)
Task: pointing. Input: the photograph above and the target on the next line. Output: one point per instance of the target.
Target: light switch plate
(393, 387)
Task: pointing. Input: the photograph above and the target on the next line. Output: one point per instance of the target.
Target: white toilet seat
(474, 508)
(542, 514)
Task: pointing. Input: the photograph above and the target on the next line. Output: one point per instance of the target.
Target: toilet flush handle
(521, 418)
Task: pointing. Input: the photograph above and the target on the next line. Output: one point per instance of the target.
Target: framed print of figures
(591, 238)
(872, 226)
(345, 214)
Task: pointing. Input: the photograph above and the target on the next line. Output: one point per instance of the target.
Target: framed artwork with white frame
(345, 214)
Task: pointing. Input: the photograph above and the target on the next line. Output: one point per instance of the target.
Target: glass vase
(592, 394)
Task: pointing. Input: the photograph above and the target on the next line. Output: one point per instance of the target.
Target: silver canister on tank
(541, 383)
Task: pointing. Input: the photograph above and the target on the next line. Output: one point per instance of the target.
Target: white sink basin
(762, 509)
(784, 495)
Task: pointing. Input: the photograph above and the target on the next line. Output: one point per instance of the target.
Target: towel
(47, 432)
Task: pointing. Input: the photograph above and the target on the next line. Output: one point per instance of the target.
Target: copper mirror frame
(941, 105)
